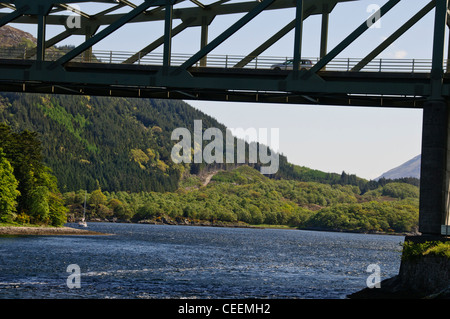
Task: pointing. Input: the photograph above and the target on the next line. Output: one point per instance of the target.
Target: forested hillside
(112, 143)
(124, 144)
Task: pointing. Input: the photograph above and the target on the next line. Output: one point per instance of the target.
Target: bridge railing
(13, 53)
(381, 65)
(266, 62)
(212, 61)
(227, 61)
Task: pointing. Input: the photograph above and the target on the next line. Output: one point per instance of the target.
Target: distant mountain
(14, 38)
(410, 168)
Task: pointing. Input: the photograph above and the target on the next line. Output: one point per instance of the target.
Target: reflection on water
(154, 261)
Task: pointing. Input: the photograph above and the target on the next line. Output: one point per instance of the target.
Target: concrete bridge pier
(435, 168)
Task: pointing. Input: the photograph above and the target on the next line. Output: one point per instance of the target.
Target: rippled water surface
(154, 261)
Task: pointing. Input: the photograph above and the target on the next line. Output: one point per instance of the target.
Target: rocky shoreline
(23, 230)
(46, 230)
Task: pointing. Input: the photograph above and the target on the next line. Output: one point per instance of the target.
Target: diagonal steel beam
(128, 3)
(226, 34)
(6, 5)
(13, 15)
(350, 39)
(221, 7)
(400, 31)
(268, 43)
(218, 3)
(104, 33)
(106, 11)
(74, 10)
(178, 29)
(51, 42)
(198, 3)
(160, 41)
(273, 39)
(68, 32)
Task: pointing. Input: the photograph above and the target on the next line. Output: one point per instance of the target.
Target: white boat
(82, 222)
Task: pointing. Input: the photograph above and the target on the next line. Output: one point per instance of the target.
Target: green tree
(38, 205)
(37, 186)
(120, 210)
(400, 190)
(8, 190)
(97, 200)
(23, 150)
(57, 210)
(97, 197)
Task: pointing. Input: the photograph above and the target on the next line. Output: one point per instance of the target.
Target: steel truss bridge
(332, 80)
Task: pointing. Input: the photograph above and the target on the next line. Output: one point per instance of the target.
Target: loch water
(164, 261)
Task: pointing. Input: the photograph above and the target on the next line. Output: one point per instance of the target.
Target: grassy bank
(11, 229)
(430, 248)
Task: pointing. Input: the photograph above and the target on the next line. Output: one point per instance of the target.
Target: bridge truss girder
(212, 84)
(316, 86)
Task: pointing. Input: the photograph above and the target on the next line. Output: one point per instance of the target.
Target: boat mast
(84, 209)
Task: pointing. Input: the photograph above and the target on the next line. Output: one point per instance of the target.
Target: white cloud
(401, 54)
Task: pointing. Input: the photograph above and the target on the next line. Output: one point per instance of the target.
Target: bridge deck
(400, 89)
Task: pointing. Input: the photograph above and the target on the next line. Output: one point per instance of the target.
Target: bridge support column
(40, 49)
(167, 53)
(435, 168)
(88, 53)
(324, 32)
(204, 39)
(298, 37)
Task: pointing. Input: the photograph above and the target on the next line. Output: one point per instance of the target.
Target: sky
(366, 141)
